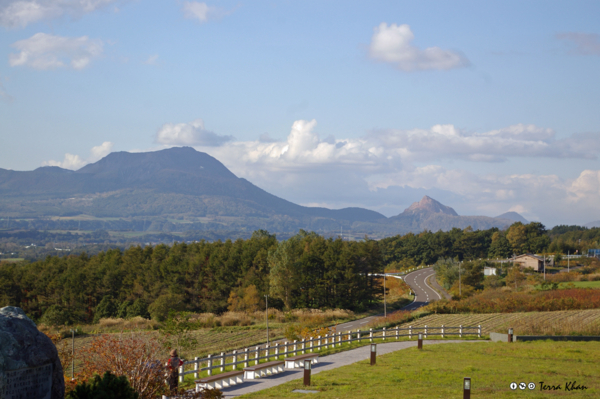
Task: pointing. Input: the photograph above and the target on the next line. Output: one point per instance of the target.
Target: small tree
(176, 331)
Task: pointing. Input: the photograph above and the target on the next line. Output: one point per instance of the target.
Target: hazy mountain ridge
(180, 188)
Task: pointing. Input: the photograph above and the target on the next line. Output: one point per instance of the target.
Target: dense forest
(304, 271)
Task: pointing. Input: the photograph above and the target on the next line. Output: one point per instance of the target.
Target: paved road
(325, 363)
(424, 293)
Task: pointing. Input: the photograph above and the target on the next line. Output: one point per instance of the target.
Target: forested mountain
(181, 189)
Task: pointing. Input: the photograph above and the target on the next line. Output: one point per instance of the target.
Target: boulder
(29, 363)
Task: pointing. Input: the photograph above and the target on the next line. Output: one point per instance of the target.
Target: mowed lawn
(437, 371)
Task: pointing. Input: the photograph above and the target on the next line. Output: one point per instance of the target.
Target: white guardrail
(252, 356)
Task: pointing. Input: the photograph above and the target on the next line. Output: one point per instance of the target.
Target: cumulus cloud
(384, 169)
(393, 44)
(202, 12)
(20, 13)
(44, 51)
(581, 43)
(75, 162)
(192, 133)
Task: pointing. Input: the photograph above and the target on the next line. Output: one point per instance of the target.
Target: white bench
(261, 370)
(298, 361)
(219, 381)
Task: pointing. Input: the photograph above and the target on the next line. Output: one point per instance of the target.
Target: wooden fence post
(409, 332)
(303, 345)
(397, 332)
(234, 360)
(209, 365)
(222, 361)
(371, 334)
(426, 331)
(196, 367)
(285, 349)
(384, 333)
(460, 331)
(442, 331)
(245, 357)
(257, 355)
(479, 331)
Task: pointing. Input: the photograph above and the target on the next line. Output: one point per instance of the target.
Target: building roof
(531, 256)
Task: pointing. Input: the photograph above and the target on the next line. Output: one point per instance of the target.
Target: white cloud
(75, 162)
(151, 60)
(393, 44)
(202, 12)
(582, 43)
(44, 51)
(20, 13)
(192, 133)
(384, 168)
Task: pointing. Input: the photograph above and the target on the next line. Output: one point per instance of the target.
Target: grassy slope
(438, 371)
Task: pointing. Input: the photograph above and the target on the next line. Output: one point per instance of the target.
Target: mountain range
(182, 189)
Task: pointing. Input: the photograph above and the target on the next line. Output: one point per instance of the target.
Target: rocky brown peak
(428, 204)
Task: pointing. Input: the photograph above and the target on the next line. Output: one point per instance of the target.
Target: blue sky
(486, 106)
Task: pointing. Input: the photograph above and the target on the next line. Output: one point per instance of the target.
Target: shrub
(107, 386)
(133, 356)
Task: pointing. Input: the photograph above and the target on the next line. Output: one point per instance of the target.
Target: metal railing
(254, 355)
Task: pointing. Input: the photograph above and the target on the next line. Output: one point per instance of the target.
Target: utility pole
(267, 316)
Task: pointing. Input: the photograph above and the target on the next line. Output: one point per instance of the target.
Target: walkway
(326, 363)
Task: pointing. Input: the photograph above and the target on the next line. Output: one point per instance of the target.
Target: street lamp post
(267, 316)
(459, 282)
(384, 302)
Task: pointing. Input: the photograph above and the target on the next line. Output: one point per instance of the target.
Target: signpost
(510, 335)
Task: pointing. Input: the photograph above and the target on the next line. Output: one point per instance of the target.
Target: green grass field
(12, 259)
(438, 371)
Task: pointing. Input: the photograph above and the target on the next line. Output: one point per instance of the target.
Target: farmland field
(549, 323)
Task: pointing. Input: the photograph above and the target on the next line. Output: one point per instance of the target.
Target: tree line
(305, 271)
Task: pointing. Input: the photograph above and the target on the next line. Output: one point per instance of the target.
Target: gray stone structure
(29, 363)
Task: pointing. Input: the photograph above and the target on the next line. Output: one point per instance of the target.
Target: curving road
(424, 293)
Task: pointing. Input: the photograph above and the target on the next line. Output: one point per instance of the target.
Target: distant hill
(181, 189)
(514, 216)
(591, 225)
(429, 214)
(179, 183)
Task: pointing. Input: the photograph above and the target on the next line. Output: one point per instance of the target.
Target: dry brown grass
(567, 322)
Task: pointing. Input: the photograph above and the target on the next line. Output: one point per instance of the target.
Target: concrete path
(326, 363)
